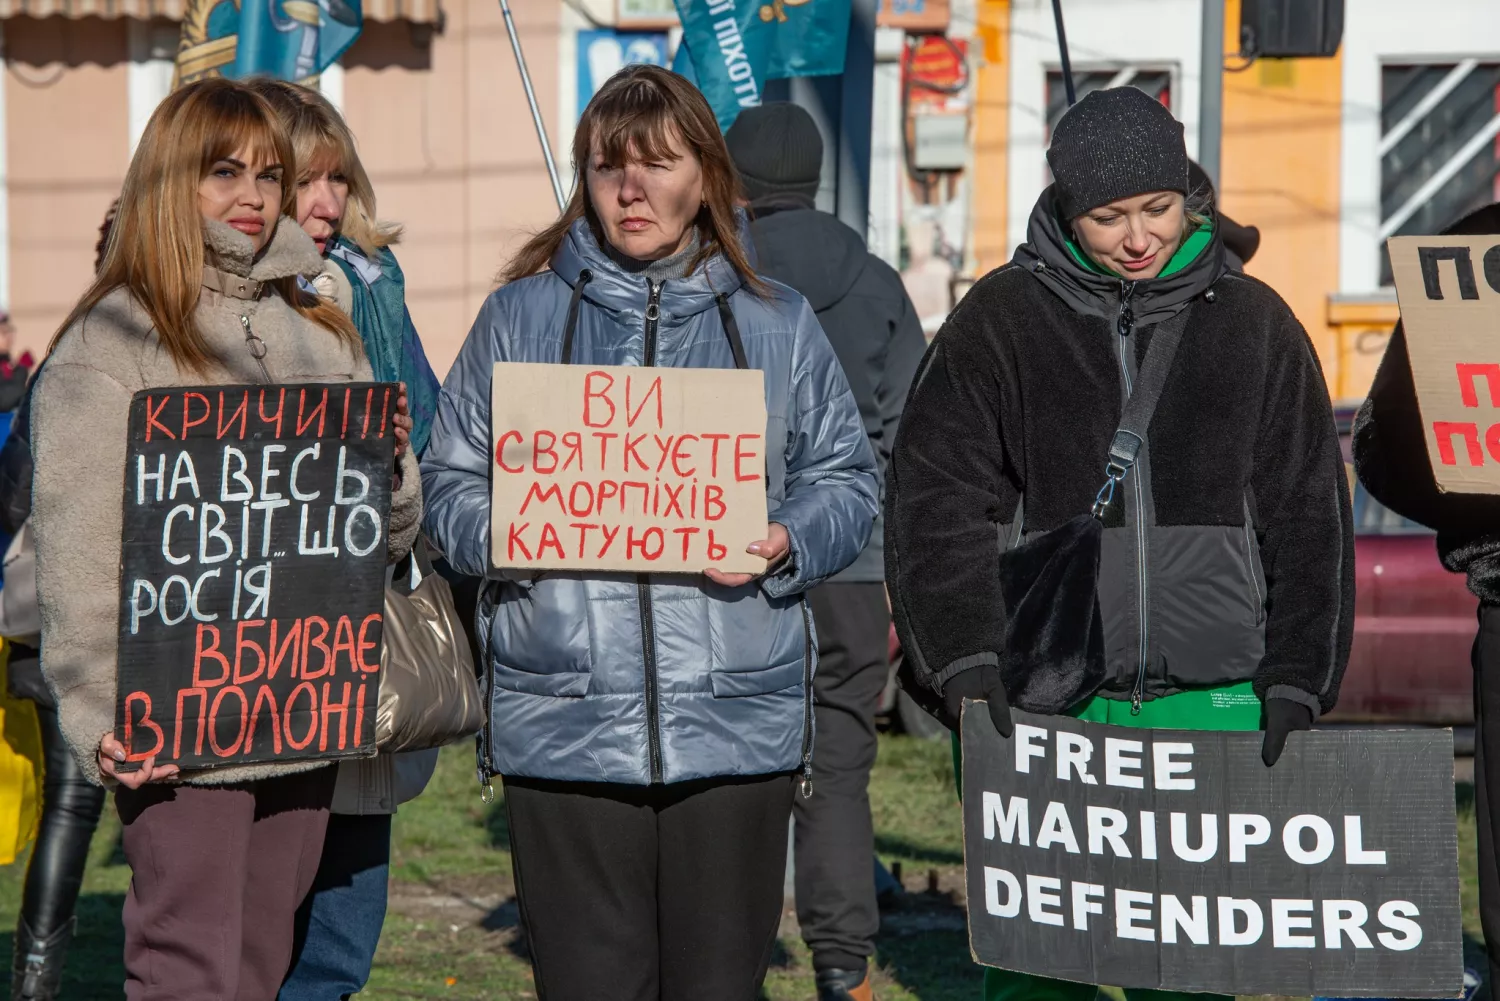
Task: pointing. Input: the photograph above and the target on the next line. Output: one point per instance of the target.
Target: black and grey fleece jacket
(1232, 556)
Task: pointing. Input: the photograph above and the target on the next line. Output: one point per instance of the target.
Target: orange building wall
(1280, 172)
(453, 155)
(68, 144)
(990, 131)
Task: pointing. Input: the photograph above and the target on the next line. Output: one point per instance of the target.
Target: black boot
(844, 985)
(37, 971)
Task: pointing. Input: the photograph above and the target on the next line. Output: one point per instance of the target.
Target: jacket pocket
(572, 684)
(1206, 619)
(733, 684)
(541, 637)
(755, 643)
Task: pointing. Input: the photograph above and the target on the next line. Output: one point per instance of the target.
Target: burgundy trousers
(217, 874)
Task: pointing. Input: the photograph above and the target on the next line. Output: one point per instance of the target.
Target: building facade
(1399, 133)
(431, 93)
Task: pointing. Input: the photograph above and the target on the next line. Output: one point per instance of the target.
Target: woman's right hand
(112, 753)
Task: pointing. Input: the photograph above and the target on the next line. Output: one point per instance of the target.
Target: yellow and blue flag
(730, 48)
(294, 39)
(287, 39)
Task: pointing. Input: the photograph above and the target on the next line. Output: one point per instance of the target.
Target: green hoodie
(1186, 254)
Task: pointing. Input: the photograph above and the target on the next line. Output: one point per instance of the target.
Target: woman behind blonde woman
(336, 206)
(219, 859)
(338, 925)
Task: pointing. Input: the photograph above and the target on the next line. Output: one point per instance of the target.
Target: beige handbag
(428, 693)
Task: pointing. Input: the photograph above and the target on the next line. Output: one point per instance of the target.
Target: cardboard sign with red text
(1449, 290)
(627, 468)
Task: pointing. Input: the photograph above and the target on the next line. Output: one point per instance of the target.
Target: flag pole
(1062, 50)
(536, 113)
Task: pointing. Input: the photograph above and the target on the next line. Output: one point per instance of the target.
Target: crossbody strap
(1125, 447)
(726, 317)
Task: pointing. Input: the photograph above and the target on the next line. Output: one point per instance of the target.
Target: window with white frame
(1156, 81)
(1439, 146)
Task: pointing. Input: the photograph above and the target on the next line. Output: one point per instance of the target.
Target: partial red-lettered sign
(660, 470)
(1449, 289)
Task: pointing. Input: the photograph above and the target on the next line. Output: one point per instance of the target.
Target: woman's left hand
(773, 549)
(402, 423)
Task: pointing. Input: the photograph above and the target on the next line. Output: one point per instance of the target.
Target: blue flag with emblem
(293, 39)
(730, 48)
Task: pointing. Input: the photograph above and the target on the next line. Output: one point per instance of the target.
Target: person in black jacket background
(71, 806)
(1390, 457)
(1226, 583)
(868, 318)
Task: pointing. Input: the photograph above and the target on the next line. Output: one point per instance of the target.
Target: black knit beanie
(777, 150)
(1115, 144)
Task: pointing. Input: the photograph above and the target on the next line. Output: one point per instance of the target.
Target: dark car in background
(1414, 622)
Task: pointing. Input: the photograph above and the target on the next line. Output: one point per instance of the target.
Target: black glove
(1282, 717)
(980, 683)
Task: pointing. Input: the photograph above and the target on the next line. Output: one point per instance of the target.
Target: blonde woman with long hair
(336, 206)
(338, 925)
(199, 286)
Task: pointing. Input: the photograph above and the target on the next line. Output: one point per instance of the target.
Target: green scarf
(1186, 254)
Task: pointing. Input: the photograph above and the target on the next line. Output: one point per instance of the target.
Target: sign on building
(603, 52)
(642, 14)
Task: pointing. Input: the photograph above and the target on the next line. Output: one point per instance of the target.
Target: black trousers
(70, 812)
(834, 837)
(649, 893)
(1487, 777)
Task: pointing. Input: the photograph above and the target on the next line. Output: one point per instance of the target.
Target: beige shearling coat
(80, 415)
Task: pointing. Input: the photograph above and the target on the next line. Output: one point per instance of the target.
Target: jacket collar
(611, 287)
(1045, 254)
(781, 202)
(231, 254)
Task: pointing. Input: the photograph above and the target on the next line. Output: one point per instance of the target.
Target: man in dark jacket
(865, 312)
(1390, 456)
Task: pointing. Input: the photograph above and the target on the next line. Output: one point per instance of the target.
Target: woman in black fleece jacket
(1226, 582)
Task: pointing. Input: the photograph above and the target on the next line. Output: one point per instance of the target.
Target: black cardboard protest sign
(252, 582)
(1175, 859)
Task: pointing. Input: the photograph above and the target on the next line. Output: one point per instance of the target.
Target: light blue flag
(293, 39)
(735, 46)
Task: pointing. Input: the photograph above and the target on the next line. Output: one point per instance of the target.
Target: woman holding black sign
(199, 287)
(1053, 543)
(650, 729)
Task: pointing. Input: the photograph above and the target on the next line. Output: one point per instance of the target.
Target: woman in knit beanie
(1225, 587)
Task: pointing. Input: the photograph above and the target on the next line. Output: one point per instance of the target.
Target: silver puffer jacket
(606, 677)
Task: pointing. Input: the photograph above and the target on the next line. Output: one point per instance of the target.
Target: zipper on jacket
(1260, 605)
(486, 774)
(807, 702)
(643, 581)
(256, 346)
(1124, 326)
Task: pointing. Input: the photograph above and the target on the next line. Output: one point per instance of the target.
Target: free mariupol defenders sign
(1175, 859)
